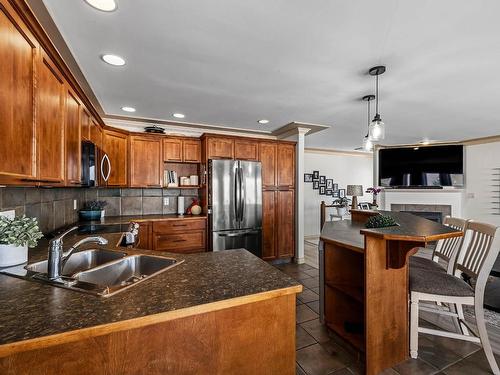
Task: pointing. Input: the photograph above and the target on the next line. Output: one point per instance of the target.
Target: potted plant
(16, 235)
(93, 210)
(342, 204)
(375, 191)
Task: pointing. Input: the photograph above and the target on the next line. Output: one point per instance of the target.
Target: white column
(299, 191)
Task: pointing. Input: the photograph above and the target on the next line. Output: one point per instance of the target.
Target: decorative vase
(375, 201)
(90, 215)
(11, 255)
(196, 210)
(103, 213)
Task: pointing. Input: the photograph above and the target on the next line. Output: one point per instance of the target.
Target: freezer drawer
(241, 239)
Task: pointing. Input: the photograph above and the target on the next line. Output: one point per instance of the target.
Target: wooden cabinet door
(267, 157)
(18, 56)
(145, 235)
(269, 224)
(246, 150)
(286, 168)
(145, 161)
(73, 139)
(191, 151)
(50, 123)
(86, 123)
(286, 223)
(220, 148)
(172, 149)
(95, 134)
(115, 149)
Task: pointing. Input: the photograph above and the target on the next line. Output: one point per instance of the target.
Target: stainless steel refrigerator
(235, 205)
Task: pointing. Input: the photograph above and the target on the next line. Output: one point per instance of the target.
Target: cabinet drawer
(180, 242)
(181, 225)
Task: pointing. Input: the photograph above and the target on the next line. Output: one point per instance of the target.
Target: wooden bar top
(411, 228)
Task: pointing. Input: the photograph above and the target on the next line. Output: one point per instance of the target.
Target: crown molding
(328, 151)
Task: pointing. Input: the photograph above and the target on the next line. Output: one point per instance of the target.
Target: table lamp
(355, 191)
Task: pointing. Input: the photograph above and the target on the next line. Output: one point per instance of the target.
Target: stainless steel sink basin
(126, 271)
(80, 261)
(99, 272)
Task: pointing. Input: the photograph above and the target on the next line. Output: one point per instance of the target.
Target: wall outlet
(471, 195)
(74, 204)
(166, 201)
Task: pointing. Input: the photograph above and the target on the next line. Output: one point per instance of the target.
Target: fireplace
(434, 212)
(429, 215)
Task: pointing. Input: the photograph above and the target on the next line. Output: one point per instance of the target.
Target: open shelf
(352, 291)
(355, 339)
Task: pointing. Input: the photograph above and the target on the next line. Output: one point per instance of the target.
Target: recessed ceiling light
(104, 5)
(113, 60)
(178, 115)
(128, 109)
(263, 121)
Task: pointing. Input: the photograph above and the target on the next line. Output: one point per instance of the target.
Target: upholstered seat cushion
(426, 264)
(431, 282)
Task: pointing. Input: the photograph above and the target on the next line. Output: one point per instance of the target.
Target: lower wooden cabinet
(278, 224)
(186, 235)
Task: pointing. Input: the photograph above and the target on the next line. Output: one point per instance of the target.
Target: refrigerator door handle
(239, 234)
(242, 194)
(237, 192)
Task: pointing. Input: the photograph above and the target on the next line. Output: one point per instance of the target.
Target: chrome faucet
(58, 257)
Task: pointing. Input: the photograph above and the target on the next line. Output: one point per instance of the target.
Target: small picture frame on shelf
(315, 175)
(342, 193)
(322, 190)
(316, 184)
(328, 191)
(335, 187)
(308, 177)
(322, 180)
(335, 194)
(329, 184)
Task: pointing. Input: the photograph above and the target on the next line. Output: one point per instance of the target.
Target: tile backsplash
(54, 207)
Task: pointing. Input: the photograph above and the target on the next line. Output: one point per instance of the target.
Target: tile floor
(320, 352)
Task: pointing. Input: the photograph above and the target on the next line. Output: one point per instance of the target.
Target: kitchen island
(220, 313)
(364, 282)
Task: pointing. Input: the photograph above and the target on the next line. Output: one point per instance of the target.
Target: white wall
(344, 169)
(479, 163)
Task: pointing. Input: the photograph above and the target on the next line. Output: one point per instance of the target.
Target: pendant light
(367, 143)
(376, 130)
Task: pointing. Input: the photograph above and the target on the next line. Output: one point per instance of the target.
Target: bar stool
(446, 249)
(474, 260)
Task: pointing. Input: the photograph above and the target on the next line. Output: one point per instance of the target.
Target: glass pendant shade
(367, 144)
(376, 129)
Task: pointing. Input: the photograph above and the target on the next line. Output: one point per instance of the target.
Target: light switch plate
(74, 204)
(166, 201)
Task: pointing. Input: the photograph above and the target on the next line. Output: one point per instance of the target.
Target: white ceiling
(233, 62)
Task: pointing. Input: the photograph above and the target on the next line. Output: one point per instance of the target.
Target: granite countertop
(410, 228)
(32, 310)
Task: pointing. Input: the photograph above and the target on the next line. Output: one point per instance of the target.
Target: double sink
(98, 271)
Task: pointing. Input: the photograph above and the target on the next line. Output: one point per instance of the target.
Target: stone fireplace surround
(443, 209)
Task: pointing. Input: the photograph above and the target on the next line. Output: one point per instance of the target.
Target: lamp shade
(355, 190)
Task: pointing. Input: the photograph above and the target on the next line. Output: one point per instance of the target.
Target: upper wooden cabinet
(182, 150)
(95, 134)
(18, 57)
(220, 148)
(267, 157)
(50, 123)
(86, 122)
(115, 164)
(191, 151)
(73, 139)
(246, 150)
(146, 169)
(172, 149)
(285, 170)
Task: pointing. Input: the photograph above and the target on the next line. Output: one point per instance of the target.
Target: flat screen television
(426, 167)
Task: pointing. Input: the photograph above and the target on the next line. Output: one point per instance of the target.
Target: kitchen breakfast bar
(364, 282)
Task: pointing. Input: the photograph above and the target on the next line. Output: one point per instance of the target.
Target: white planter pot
(341, 211)
(11, 255)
